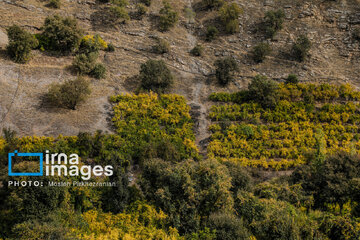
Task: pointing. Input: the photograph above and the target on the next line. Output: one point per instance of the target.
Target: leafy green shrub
(228, 227)
(20, 44)
(189, 14)
(340, 227)
(260, 52)
(264, 91)
(292, 79)
(120, 3)
(54, 4)
(99, 71)
(141, 10)
(224, 70)
(110, 48)
(197, 50)
(69, 94)
(61, 34)
(229, 15)
(91, 44)
(168, 17)
(187, 189)
(210, 4)
(240, 178)
(155, 76)
(301, 48)
(85, 63)
(162, 46)
(273, 22)
(211, 33)
(119, 14)
(331, 181)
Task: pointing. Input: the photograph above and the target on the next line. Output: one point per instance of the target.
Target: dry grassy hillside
(329, 25)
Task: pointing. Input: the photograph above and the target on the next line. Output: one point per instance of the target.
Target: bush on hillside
(141, 10)
(273, 22)
(197, 50)
(224, 70)
(260, 52)
(85, 64)
(69, 94)
(229, 15)
(161, 47)
(168, 17)
(92, 43)
(292, 79)
(264, 91)
(20, 44)
(118, 14)
(301, 48)
(61, 34)
(110, 48)
(99, 71)
(211, 33)
(155, 76)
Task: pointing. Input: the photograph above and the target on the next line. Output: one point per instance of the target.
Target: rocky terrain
(328, 24)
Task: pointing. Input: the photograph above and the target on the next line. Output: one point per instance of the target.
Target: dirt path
(199, 95)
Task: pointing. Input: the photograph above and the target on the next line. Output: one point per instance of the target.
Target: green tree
(211, 33)
(260, 52)
(20, 44)
(229, 15)
(273, 22)
(155, 76)
(69, 94)
(118, 14)
(228, 227)
(161, 47)
(89, 45)
(301, 48)
(197, 50)
(19, 204)
(168, 17)
(86, 64)
(187, 191)
(117, 198)
(141, 10)
(240, 178)
(292, 79)
(224, 70)
(61, 34)
(330, 181)
(272, 219)
(264, 91)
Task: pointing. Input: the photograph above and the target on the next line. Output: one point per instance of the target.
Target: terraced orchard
(307, 119)
(155, 126)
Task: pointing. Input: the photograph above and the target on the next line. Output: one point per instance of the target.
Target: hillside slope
(329, 25)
